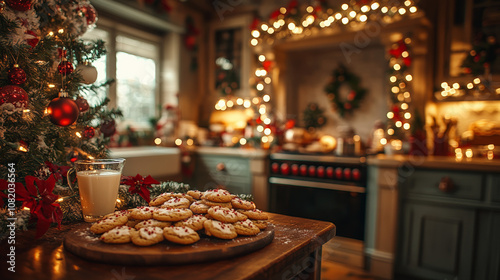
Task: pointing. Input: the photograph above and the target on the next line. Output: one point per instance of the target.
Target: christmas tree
(46, 123)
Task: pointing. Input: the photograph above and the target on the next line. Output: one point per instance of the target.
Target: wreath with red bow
(342, 76)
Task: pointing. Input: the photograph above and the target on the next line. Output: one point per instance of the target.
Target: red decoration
(2, 5)
(65, 67)
(63, 111)
(90, 14)
(108, 128)
(3, 187)
(15, 95)
(139, 185)
(59, 171)
(19, 5)
(38, 197)
(31, 38)
(17, 76)
(88, 132)
(82, 104)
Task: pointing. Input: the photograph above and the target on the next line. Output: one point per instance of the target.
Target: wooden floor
(336, 271)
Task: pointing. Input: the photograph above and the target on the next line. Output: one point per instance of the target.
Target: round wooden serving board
(83, 243)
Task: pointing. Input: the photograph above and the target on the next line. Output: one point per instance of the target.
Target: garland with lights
(46, 122)
(340, 77)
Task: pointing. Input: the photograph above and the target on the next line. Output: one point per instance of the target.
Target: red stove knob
(356, 174)
(285, 168)
(275, 167)
(320, 171)
(303, 170)
(347, 173)
(295, 169)
(338, 173)
(329, 172)
(312, 171)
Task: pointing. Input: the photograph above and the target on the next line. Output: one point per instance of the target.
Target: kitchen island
(294, 251)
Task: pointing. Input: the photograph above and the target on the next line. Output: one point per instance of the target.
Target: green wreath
(340, 76)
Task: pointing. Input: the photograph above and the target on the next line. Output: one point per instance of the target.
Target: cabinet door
(437, 242)
(487, 261)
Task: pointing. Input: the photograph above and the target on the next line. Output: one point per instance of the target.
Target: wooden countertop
(436, 162)
(45, 258)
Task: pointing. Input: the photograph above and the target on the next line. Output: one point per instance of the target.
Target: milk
(98, 191)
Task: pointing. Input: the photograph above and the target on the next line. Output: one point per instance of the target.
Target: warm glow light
(444, 85)
(51, 86)
(59, 199)
(260, 128)
(118, 200)
(413, 9)
(406, 126)
(283, 10)
(60, 31)
(395, 89)
(158, 141)
(254, 42)
(399, 124)
(469, 153)
(260, 87)
(270, 30)
(456, 86)
(401, 97)
(491, 147)
(262, 58)
(405, 54)
(267, 131)
(267, 80)
(345, 20)
(291, 26)
(246, 104)
(404, 106)
(262, 110)
(51, 33)
(264, 27)
(363, 18)
(352, 14)
(470, 86)
(344, 7)
(407, 115)
(402, 11)
(476, 81)
(255, 33)
(375, 5)
(397, 67)
(390, 131)
(267, 121)
(178, 141)
(309, 9)
(78, 134)
(264, 139)
(384, 10)
(390, 115)
(255, 100)
(365, 8)
(393, 79)
(190, 142)
(383, 141)
(338, 16)
(243, 141)
(406, 94)
(409, 77)
(239, 101)
(266, 98)
(26, 208)
(22, 149)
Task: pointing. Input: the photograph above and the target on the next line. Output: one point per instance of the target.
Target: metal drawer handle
(446, 185)
(220, 166)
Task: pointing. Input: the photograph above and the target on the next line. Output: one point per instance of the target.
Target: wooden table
(295, 251)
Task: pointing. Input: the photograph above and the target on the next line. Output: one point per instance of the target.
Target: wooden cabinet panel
(495, 188)
(437, 242)
(487, 261)
(466, 185)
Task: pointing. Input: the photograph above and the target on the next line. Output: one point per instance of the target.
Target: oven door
(343, 205)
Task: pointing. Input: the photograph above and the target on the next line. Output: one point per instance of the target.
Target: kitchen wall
(309, 71)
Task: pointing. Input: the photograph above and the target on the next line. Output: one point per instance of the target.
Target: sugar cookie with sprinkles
(172, 214)
(219, 229)
(199, 207)
(217, 195)
(146, 236)
(223, 214)
(221, 204)
(239, 203)
(160, 199)
(118, 235)
(246, 227)
(196, 194)
(176, 202)
(186, 196)
(254, 214)
(142, 212)
(181, 235)
(106, 224)
(152, 223)
(195, 222)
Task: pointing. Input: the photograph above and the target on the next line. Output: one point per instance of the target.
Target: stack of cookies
(181, 218)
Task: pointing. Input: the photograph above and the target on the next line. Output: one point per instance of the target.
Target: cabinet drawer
(495, 188)
(228, 165)
(464, 185)
(232, 173)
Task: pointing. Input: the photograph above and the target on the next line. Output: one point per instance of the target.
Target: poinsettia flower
(38, 197)
(4, 185)
(140, 185)
(59, 171)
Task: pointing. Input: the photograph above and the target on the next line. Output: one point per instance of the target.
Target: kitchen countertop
(226, 151)
(436, 162)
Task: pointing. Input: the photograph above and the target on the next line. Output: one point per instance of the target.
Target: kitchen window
(133, 58)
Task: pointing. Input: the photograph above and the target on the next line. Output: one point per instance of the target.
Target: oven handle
(321, 185)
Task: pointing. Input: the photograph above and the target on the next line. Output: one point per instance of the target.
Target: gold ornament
(2, 6)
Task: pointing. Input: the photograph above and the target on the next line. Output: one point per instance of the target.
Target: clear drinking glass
(98, 183)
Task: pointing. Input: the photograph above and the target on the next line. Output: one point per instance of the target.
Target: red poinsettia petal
(144, 193)
(49, 198)
(46, 187)
(42, 225)
(3, 184)
(30, 186)
(127, 180)
(149, 180)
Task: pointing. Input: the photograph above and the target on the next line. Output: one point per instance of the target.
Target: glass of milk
(98, 183)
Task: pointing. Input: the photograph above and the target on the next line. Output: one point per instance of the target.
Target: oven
(327, 188)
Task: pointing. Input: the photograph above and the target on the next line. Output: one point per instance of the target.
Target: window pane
(136, 87)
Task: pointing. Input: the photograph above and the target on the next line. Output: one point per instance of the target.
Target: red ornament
(90, 14)
(82, 104)
(17, 76)
(63, 111)
(88, 132)
(108, 128)
(65, 67)
(31, 38)
(15, 95)
(19, 5)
